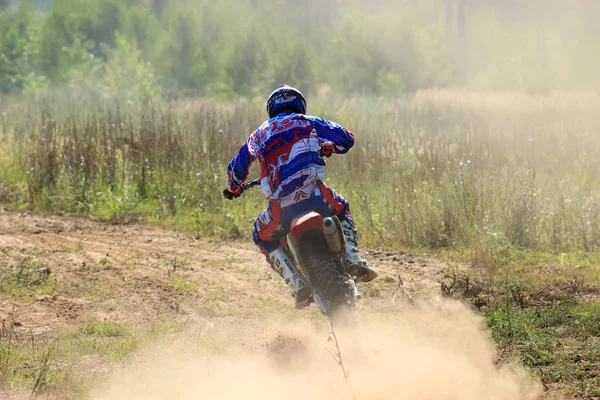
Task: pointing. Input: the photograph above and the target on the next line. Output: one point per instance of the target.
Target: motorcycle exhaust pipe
(333, 234)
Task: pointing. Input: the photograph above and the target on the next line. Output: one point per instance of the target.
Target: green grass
(498, 174)
(25, 279)
(183, 284)
(60, 366)
(106, 329)
(545, 317)
(560, 343)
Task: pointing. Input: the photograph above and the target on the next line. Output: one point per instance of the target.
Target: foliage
(234, 48)
(126, 76)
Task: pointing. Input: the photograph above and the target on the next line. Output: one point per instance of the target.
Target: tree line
(231, 48)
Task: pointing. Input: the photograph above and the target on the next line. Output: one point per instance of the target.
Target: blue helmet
(286, 99)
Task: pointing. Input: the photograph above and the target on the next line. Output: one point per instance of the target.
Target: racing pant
(276, 217)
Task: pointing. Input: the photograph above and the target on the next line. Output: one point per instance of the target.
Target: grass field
(438, 170)
(501, 190)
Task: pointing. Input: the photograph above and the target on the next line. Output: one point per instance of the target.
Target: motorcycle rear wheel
(329, 279)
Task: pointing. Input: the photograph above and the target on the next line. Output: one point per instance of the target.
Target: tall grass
(439, 169)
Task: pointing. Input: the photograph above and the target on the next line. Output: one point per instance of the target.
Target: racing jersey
(287, 148)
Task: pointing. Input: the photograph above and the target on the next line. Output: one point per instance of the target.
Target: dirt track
(234, 306)
(124, 272)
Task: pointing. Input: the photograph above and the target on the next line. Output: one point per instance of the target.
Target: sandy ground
(241, 322)
(123, 273)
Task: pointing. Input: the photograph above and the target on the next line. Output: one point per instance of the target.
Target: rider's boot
(356, 266)
(284, 266)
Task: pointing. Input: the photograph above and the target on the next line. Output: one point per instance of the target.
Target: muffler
(333, 234)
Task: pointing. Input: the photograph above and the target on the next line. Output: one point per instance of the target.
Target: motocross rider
(288, 147)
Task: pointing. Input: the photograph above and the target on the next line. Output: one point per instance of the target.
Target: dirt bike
(316, 245)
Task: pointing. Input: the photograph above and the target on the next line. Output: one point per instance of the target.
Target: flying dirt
(436, 350)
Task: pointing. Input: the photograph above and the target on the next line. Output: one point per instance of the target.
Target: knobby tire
(329, 279)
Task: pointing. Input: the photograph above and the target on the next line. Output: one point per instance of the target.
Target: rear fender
(302, 224)
(310, 221)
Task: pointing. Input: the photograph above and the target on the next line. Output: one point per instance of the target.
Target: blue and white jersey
(288, 150)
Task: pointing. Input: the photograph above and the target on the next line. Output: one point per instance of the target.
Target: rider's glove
(231, 195)
(326, 149)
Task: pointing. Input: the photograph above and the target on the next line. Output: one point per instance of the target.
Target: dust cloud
(432, 351)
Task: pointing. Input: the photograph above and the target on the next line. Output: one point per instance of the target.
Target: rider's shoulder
(322, 121)
(312, 119)
(265, 124)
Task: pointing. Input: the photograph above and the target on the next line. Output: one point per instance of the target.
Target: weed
(40, 380)
(106, 329)
(183, 285)
(25, 279)
(105, 263)
(560, 342)
(96, 290)
(52, 365)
